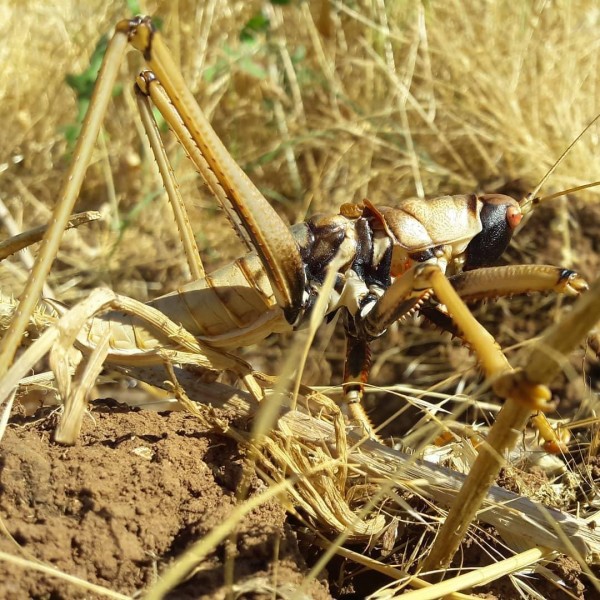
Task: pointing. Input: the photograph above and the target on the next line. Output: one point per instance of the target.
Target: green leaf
(259, 23)
(71, 133)
(299, 54)
(160, 120)
(211, 72)
(247, 65)
(83, 86)
(83, 83)
(133, 6)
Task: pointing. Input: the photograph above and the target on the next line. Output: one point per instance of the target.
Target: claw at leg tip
(571, 283)
(536, 395)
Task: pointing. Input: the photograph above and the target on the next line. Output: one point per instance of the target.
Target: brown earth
(135, 491)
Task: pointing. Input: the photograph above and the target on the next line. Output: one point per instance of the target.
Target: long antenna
(530, 200)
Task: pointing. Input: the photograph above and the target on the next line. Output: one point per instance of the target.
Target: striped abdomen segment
(232, 307)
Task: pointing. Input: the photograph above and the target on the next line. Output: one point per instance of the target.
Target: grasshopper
(430, 256)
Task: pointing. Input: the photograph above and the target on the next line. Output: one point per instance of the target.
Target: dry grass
(400, 99)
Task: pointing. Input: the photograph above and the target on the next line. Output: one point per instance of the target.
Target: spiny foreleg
(490, 283)
(523, 390)
(545, 361)
(403, 297)
(494, 282)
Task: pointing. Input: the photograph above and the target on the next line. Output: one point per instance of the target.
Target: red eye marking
(513, 216)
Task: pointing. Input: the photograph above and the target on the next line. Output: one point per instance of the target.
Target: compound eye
(513, 216)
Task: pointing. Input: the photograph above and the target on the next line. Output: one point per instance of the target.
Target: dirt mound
(136, 490)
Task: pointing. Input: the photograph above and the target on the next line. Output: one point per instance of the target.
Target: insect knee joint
(515, 385)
